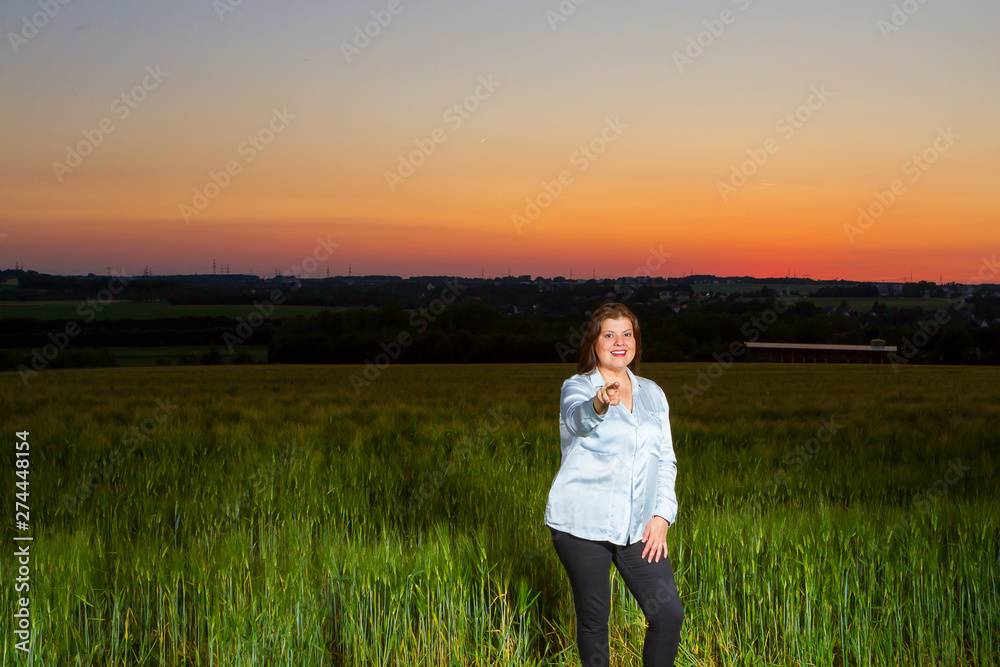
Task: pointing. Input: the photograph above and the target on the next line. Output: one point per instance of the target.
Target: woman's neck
(610, 375)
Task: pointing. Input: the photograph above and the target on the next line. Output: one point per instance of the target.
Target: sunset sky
(737, 137)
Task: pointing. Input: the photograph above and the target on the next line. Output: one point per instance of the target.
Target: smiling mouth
(617, 353)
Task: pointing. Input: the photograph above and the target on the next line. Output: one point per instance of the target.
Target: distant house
(819, 353)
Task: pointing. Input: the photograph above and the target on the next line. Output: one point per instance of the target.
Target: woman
(612, 500)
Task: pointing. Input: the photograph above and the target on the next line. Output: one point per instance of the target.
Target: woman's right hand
(606, 395)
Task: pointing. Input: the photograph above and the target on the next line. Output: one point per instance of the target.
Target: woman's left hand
(655, 537)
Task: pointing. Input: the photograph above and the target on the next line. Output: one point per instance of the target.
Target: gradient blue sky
(656, 185)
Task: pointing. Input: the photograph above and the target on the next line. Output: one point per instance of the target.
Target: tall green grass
(275, 517)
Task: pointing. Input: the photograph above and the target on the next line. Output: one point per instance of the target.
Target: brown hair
(588, 355)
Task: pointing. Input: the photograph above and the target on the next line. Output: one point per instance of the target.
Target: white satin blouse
(617, 470)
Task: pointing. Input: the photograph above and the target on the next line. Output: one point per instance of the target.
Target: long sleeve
(617, 469)
(666, 496)
(577, 408)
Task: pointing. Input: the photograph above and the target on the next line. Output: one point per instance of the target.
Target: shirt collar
(597, 380)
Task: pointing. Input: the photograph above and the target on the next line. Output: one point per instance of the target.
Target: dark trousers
(588, 564)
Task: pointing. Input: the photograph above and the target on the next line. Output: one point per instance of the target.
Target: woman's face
(615, 345)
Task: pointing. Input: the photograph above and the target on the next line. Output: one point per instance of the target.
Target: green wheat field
(273, 515)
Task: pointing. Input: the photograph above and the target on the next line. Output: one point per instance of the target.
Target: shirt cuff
(668, 513)
(593, 418)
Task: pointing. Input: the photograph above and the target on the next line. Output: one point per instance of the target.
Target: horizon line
(354, 276)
